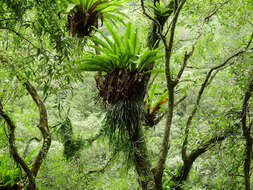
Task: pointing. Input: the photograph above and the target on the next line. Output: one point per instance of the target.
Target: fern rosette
(84, 15)
(123, 60)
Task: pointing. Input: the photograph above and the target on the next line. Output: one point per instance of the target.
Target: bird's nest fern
(123, 63)
(84, 15)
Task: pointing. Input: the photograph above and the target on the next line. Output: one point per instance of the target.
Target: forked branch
(13, 150)
(184, 172)
(201, 91)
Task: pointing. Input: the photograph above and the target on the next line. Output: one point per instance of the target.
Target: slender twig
(92, 139)
(28, 41)
(151, 18)
(56, 125)
(198, 35)
(101, 170)
(216, 10)
(28, 145)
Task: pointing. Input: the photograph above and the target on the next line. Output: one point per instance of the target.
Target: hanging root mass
(121, 123)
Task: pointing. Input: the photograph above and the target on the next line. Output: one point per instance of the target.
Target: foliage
(159, 8)
(35, 41)
(124, 61)
(9, 173)
(122, 51)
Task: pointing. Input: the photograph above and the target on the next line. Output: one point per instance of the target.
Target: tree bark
(171, 84)
(189, 160)
(246, 133)
(141, 160)
(43, 127)
(158, 171)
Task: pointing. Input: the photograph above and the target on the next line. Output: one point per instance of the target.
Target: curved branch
(43, 127)
(13, 149)
(184, 172)
(195, 40)
(101, 170)
(92, 139)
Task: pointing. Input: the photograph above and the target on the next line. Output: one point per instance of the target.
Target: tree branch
(200, 93)
(13, 149)
(158, 170)
(247, 135)
(198, 35)
(43, 127)
(43, 124)
(92, 139)
(101, 170)
(184, 172)
(28, 41)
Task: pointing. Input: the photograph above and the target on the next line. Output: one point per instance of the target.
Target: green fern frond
(115, 37)
(122, 51)
(160, 8)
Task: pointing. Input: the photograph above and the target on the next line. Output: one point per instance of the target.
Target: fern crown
(119, 52)
(109, 8)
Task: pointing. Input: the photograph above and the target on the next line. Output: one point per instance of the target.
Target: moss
(71, 145)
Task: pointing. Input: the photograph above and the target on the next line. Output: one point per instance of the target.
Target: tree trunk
(141, 160)
(247, 163)
(246, 133)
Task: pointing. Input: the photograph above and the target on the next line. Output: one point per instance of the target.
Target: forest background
(126, 94)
